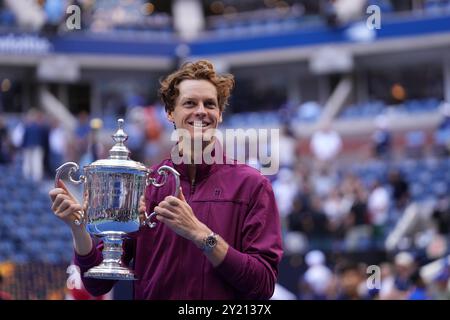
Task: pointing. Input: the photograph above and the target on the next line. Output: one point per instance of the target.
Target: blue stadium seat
(7, 247)
(19, 258)
(50, 257)
(440, 188)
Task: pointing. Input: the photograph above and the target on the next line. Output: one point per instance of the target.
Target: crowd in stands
(282, 16)
(375, 108)
(223, 18)
(98, 16)
(43, 144)
(399, 279)
(328, 205)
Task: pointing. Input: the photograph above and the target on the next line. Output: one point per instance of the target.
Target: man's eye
(189, 103)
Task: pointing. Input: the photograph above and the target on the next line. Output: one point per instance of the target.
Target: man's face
(196, 108)
(350, 281)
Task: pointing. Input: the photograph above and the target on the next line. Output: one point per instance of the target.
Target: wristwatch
(209, 242)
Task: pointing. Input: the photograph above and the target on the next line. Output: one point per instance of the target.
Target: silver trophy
(112, 188)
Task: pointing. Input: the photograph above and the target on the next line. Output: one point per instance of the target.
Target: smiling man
(221, 237)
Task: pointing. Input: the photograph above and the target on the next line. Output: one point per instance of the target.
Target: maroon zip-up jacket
(233, 200)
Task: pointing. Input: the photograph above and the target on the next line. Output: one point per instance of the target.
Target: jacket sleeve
(253, 271)
(98, 287)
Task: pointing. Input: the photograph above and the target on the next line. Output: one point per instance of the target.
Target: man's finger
(164, 212)
(69, 212)
(64, 206)
(54, 193)
(161, 218)
(58, 200)
(63, 186)
(171, 200)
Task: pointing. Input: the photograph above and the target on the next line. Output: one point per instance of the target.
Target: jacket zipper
(192, 187)
(193, 183)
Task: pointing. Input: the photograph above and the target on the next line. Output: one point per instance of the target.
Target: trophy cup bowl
(112, 189)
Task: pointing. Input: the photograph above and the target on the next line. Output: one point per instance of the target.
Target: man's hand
(177, 214)
(67, 208)
(64, 205)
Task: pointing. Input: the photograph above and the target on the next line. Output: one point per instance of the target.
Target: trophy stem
(111, 267)
(112, 248)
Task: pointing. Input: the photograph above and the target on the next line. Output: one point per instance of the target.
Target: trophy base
(111, 267)
(110, 273)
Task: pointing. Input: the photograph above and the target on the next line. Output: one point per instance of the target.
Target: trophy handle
(162, 171)
(73, 167)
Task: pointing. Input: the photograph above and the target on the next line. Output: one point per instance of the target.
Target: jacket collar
(203, 169)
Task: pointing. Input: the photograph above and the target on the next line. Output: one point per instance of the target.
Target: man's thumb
(181, 195)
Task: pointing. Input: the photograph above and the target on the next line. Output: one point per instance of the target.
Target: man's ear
(220, 117)
(169, 115)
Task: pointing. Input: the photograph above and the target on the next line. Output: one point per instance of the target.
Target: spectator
(400, 189)
(439, 288)
(441, 216)
(387, 282)
(419, 289)
(285, 188)
(316, 280)
(34, 143)
(415, 143)
(309, 111)
(5, 143)
(324, 181)
(288, 146)
(81, 135)
(95, 149)
(154, 128)
(404, 265)
(378, 205)
(382, 139)
(336, 209)
(135, 128)
(358, 230)
(57, 144)
(326, 144)
(351, 281)
(358, 210)
(55, 11)
(442, 133)
(320, 229)
(297, 218)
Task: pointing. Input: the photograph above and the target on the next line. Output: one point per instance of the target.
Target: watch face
(211, 241)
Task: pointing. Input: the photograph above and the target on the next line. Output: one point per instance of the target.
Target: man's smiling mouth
(199, 124)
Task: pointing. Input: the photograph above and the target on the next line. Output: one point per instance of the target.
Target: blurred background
(360, 91)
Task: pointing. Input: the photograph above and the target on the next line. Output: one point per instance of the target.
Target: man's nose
(200, 109)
